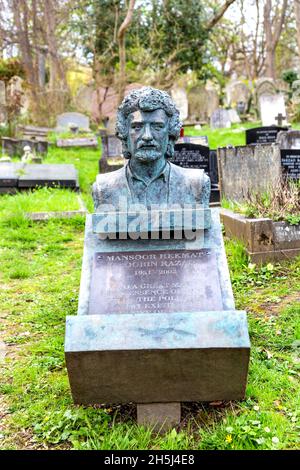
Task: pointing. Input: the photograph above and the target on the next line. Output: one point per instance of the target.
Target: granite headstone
(289, 143)
(263, 135)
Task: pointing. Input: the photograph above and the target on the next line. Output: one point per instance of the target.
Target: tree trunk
(57, 78)
(297, 15)
(273, 28)
(122, 50)
(20, 13)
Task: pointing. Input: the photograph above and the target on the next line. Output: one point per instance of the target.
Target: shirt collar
(164, 173)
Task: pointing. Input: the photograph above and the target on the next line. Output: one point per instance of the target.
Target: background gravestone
(248, 169)
(220, 118)
(179, 97)
(263, 135)
(296, 92)
(289, 143)
(265, 86)
(193, 139)
(233, 116)
(2, 102)
(270, 108)
(112, 154)
(202, 103)
(188, 155)
(84, 99)
(193, 154)
(15, 86)
(66, 119)
(237, 92)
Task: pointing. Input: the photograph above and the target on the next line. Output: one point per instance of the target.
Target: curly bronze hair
(148, 99)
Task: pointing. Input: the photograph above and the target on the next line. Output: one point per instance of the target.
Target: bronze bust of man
(148, 125)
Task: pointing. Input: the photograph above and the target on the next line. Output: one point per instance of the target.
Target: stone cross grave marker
(280, 118)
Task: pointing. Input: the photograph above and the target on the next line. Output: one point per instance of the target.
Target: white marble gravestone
(270, 107)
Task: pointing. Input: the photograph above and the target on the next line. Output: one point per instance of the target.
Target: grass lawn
(39, 285)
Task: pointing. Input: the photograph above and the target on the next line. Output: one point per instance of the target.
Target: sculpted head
(148, 125)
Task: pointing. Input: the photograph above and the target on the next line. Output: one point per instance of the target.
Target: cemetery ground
(40, 277)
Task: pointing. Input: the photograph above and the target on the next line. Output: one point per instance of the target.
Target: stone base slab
(160, 417)
(157, 358)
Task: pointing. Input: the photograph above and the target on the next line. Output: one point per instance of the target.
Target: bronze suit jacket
(186, 186)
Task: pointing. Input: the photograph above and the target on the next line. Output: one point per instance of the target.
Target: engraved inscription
(189, 155)
(155, 281)
(290, 161)
(262, 135)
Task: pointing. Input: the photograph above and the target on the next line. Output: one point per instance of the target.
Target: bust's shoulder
(191, 174)
(110, 179)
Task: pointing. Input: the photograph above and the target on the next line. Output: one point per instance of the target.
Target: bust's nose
(147, 134)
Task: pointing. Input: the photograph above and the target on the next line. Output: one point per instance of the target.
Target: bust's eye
(136, 126)
(158, 126)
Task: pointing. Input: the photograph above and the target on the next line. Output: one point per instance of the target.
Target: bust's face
(148, 135)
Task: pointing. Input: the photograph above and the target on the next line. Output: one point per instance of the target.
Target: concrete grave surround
(265, 240)
(270, 106)
(134, 338)
(66, 119)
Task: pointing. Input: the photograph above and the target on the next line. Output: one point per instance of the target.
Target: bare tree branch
(216, 18)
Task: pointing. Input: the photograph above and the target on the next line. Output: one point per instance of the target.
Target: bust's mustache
(143, 145)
